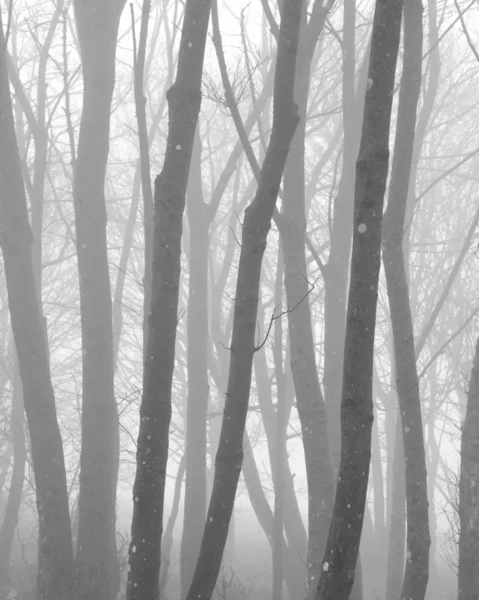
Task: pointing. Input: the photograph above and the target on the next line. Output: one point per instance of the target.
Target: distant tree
(96, 557)
(339, 563)
(55, 554)
(468, 566)
(418, 538)
(184, 100)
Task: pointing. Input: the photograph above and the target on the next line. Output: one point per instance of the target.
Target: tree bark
(468, 571)
(256, 225)
(55, 554)
(96, 558)
(184, 99)
(340, 558)
(418, 539)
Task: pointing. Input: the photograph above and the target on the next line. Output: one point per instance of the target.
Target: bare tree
(55, 554)
(184, 100)
(418, 539)
(97, 563)
(256, 225)
(339, 563)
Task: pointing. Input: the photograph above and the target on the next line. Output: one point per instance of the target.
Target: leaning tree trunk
(96, 559)
(184, 100)
(337, 573)
(468, 572)
(55, 553)
(256, 225)
(418, 539)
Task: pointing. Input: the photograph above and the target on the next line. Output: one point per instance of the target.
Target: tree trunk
(10, 516)
(281, 426)
(96, 558)
(256, 225)
(55, 555)
(418, 539)
(468, 572)
(309, 397)
(168, 537)
(184, 99)
(336, 274)
(397, 530)
(340, 558)
(264, 514)
(198, 385)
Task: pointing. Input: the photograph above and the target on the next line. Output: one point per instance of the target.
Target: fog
(238, 300)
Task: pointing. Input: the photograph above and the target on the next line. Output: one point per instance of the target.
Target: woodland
(239, 344)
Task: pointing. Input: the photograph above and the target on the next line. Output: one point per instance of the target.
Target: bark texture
(55, 554)
(184, 100)
(418, 539)
(468, 571)
(256, 225)
(96, 558)
(337, 574)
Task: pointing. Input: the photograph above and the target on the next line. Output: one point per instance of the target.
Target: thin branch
(450, 339)
(275, 316)
(445, 292)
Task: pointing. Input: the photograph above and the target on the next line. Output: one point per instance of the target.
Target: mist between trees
(239, 353)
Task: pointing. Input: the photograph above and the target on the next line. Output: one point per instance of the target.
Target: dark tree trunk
(418, 539)
(55, 554)
(256, 225)
(198, 386)
(96, 558)
(468, 572)
(337, 573)
(184, 100)
(336, 275)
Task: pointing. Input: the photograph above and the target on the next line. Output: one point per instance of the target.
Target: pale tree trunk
(418, 540)
(337, 572)
(309, 397)
(293, 522)
(10, 516)
(397, 519)
(198, 385)
(96, 557)
(184, 100)
(280, 450)
(468, 572)
(168, 536)
(55, 554)
(140, 106)
(256, 225)
(265, 516)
